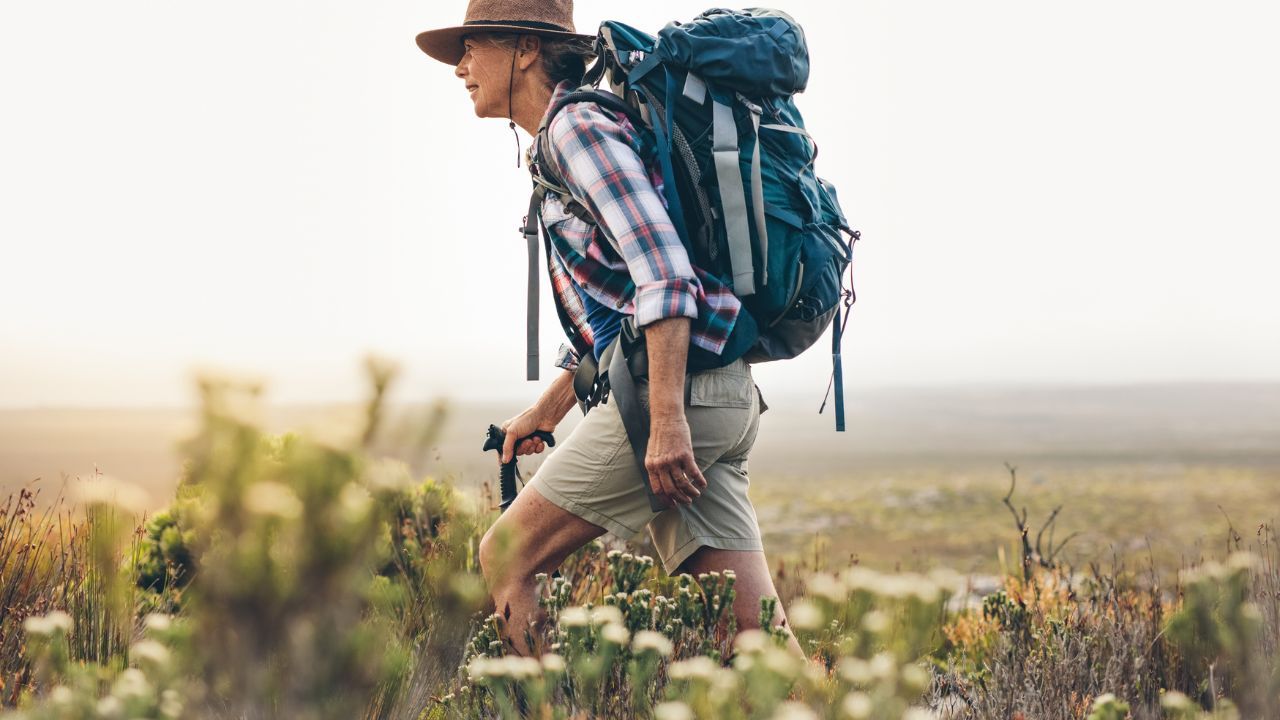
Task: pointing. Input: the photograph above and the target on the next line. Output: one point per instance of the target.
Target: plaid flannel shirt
(632, 259)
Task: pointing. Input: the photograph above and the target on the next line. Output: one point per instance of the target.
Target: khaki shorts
(594, 474)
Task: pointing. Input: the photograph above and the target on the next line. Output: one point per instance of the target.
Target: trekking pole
(508, 472)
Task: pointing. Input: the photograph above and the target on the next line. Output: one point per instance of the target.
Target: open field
(916, 482)
(320, 581)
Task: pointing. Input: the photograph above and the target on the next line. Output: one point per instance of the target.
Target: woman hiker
(516, 59)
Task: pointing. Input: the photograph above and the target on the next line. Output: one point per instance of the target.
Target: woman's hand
(544, 415)
(524, 425)
(673, 471)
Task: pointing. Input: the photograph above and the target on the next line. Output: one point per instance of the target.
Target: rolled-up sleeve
(566, 357)
(603, 172)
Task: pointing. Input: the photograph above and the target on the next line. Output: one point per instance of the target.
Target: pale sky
(1048, 192)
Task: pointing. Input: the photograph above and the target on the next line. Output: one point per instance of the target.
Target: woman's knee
(495, 554)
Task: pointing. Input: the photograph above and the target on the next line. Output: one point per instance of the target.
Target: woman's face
(486, 69)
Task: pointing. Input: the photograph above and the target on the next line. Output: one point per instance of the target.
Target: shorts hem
(582, 511)
(682, 553)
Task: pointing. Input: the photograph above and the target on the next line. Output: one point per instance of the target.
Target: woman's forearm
(667, 343)
(558, 398)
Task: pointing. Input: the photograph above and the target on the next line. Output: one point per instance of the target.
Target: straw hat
(551, 18)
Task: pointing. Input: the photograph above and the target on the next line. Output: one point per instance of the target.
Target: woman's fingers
(690, 469)
(532, 446)
(669, 483)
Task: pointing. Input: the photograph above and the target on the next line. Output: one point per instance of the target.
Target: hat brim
(445, 44)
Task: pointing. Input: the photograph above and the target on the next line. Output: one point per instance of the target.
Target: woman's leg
(533, 536)
(753, 582)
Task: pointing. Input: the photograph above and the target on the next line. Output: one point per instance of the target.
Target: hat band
(530, 24)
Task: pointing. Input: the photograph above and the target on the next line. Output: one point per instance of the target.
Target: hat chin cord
(511, 79)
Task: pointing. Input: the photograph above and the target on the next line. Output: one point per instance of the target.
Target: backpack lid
(757, 52)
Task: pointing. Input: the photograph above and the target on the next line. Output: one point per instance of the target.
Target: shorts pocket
(722, 387)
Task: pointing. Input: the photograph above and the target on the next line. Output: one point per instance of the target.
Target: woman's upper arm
(603, 172)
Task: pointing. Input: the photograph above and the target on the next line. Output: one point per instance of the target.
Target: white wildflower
(478, 668)
(855, 671)
(751, 641)
(672, 711)
(781, 662)
(857, 705)
(171, 704)
(700, 668)
(158, 622)
(724, 682)
(794, 711)
(615, 634)
(523, 668)
(272, 498)
(875, 622)
(61, 695)
(553, 664)
(894, 587)
(650, 641)
(827, 586)
(915, 678)
(60, 621)
(45, 625)
(606, 615)
(110, 707)
(861, 578)
(918, 713)
(883, 666)
(354, 501)
(805, 615)
(150, 651)
(132, 683)
(37, 625)
(575, 617)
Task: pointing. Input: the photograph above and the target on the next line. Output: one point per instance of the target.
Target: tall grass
(291, 578)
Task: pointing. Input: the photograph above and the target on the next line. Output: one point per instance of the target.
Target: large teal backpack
(738, 170)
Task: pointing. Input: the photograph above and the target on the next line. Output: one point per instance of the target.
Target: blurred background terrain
(1156, 472)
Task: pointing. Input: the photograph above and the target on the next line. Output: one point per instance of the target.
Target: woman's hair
(562, 58)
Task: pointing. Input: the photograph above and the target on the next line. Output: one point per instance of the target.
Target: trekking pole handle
(495, 438)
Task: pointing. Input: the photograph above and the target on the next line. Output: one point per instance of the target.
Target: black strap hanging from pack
(530, 231)
(622, 389)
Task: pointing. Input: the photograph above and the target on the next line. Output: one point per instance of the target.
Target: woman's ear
(528, 51)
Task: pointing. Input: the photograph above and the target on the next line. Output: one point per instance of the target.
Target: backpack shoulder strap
(546, 175)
